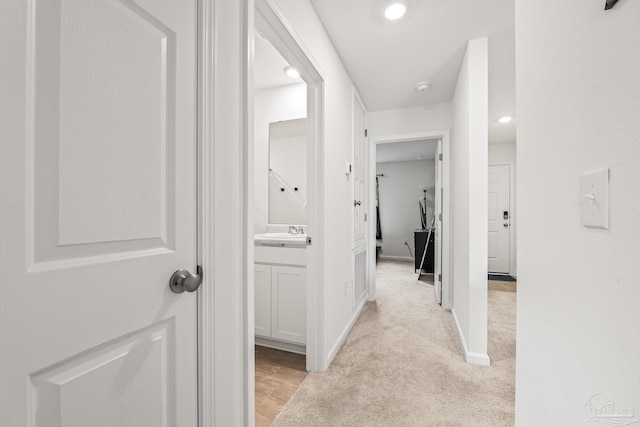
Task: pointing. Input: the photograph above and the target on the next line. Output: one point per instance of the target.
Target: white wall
(506, 154)
(424, 118)
(271, 105)
(338, 204)
(502, 153)
(578, 288)
(399, 211)
(469, 160)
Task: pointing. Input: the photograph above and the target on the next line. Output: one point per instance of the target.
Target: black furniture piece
(419, 240)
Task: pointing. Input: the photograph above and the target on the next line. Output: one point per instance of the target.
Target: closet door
(358, 174)
(358, 177)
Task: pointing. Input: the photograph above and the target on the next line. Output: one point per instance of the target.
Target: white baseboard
(281, 345)
(345, 332)
(397, 258)
(469, 356)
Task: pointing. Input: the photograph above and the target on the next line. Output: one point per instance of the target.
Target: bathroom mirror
(288, 172)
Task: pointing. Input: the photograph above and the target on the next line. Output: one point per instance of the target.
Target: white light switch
(595, 199)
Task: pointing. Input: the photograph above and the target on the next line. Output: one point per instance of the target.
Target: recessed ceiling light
(395, 11)
(505, 119)
(291, 72)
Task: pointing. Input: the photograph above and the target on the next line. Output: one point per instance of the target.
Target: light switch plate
(347, 168)
(595, 199)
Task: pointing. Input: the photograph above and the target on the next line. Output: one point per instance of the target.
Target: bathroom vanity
(280, 253)
(280, 291)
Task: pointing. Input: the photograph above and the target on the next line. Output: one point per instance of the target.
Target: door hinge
(365, 216)
(308, 241)
(440, 156)
(366, 132)
(439, 277)
(440, 217)
(199, 271)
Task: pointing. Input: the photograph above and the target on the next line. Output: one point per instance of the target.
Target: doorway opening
(501, 220)
(416, 168)
(273, 26)
(286, 161)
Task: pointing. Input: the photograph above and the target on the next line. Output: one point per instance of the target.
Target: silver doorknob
(506, 224)
(356, 203)
(183, 280)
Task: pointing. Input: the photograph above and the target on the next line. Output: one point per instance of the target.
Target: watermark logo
(606, 411)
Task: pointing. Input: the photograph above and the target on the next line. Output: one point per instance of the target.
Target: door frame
(512, 209)
(225, 322)
(275, 27)
(444, 135)
(226, 359)
(209, 381)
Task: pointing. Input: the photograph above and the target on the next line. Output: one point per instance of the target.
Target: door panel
(262, 298)
(138, 370)
(103, 107)
(95, 215)
(359, 276)
(288, 308)
(499, 226)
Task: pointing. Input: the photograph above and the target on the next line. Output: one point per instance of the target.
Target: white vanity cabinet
(262, 296)
(280, 295)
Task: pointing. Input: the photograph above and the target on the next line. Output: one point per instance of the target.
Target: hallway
(402, 365)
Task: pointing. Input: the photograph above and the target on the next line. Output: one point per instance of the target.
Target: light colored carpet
(402, 365)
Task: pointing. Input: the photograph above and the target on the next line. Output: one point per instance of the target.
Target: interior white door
(98, 184)
(437, 265)
(499, 219)
(358, 173)
(359, 276)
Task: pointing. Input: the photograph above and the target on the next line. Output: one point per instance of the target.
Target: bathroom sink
(280, 239)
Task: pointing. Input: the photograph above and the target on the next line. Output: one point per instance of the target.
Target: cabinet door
(288, 304)
(262, 292)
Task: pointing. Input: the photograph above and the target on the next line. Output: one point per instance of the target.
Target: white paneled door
(98, 185)
(499, 219)
(437, 268)
(358, 176)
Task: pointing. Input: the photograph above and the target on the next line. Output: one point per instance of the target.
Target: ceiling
(406, 151)
(386, 59)
(268, 66)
